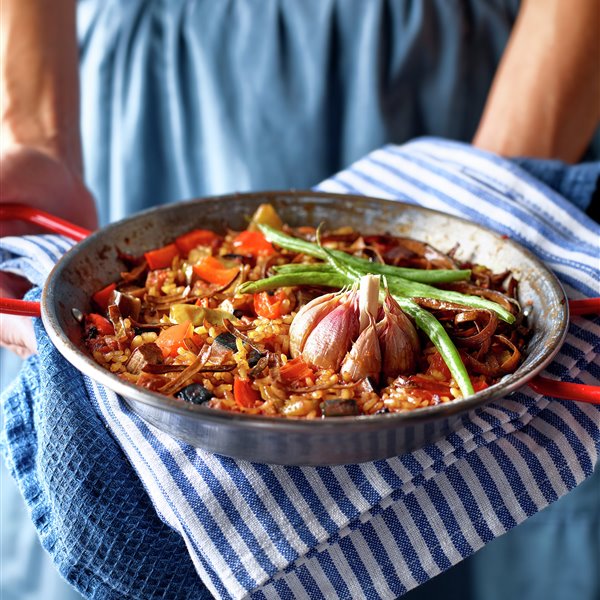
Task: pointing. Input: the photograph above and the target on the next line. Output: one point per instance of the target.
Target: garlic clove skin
(307, 318)
(364, 358)
(392, 307)
(399, 355)
(329, 341)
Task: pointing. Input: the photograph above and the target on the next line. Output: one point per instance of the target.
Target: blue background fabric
(184, 98)
(92, 515)
(27, 571)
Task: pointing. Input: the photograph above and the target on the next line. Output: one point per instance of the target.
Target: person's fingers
(31, 176)
(13, 286)
(16, 334)
(34, 178)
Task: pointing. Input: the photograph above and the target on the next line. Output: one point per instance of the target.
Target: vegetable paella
(307, 323)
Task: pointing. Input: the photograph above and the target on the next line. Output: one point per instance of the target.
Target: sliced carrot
(270, 306)
(252, 243)
(295, 370)
(161, 258)
(102, 297)
(172, 338)
(245, 395)
(103, 326)
(214, 271)
(199, 237)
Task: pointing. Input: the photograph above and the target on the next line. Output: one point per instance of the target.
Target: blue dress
(183, 98)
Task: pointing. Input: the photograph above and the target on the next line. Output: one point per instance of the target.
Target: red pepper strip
(161, 258)
(172, 338)
(199, 237)
(103, 326)
(437, 363)
(479, 384)
(252, 243)
(295, 370)
(212, 270)
(565, 390)
(245, 395)
(269, 306)
(102, 297)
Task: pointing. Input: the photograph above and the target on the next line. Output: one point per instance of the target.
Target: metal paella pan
(94, 263)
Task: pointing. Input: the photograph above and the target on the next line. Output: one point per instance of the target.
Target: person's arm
(40, 149)
(40, 94)
(39, 120)
(545, 98)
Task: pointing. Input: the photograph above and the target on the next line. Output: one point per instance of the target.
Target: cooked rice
(303, 400)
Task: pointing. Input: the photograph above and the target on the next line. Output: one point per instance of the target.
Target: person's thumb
(16, 333)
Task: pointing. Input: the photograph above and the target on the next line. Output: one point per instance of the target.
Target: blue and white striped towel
(378, 529)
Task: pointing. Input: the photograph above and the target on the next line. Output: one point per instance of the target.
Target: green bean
(291, 243)
(339, 279)
(416, 275)
(304, 268)
(413, 289)
(292, 279)
(311, 249)
(400, 284)
(323, 267)
(341, 269)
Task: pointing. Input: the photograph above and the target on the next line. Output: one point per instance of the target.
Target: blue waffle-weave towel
(123, 508)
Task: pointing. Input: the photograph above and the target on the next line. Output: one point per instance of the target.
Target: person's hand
(37, 178)
(40, 145)
(16, 333)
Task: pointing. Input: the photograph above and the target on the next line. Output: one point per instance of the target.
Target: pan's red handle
(21, 212)
(564, 390)
(587, 306)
